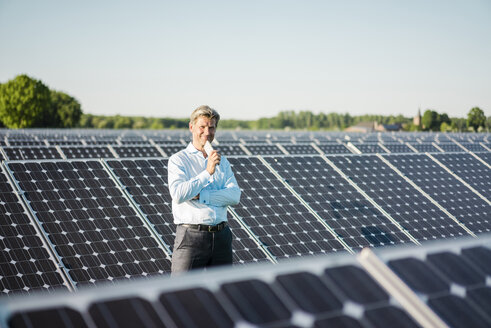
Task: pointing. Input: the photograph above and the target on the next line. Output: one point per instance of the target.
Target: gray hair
(204, 111)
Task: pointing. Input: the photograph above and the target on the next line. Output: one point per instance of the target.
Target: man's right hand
(213, 161)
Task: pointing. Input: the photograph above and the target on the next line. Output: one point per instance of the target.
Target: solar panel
(342, 207)
(424, 147)
(486, 156)
(64, 142)
(280, 221)
(229, 149)
(450, 147)
(137, 151)
(334, 148)
(34, 152)
(146, 182)
(170, 149)
(86, 152)
(471, 170)
(89, 222)
(473, 146)
(450, 277)
(25, 263)
(398, 148)
(369, 148)
(101, 142)
(297, 149)
(450, 193)
(412, 210)
(263, 149)
(318, 292)
(19, 143)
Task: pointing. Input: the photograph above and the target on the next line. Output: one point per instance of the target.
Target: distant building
(362, 127)
(417, 118)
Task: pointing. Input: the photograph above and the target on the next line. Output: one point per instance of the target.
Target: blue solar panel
(351, 216)
(406, 205)
(283, 225)
(450, 193)
(471, 170)
(91, 225)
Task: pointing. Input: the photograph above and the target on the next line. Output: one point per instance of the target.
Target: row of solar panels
(71, 222)
(165, 150)
(115, 136)
(444, 284)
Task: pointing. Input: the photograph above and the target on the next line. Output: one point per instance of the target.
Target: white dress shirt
(188, 177)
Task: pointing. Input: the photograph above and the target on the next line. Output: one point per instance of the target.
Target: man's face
(203, 129)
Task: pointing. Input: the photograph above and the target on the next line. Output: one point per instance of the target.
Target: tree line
(28, 103)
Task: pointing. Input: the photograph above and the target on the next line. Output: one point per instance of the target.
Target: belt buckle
(210, 228)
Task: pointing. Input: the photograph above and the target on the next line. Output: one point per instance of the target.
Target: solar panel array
(441, 285)
(91, 226)
(448, 191)
(96, 208)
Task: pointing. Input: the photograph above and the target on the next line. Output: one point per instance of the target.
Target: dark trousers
(198, 249)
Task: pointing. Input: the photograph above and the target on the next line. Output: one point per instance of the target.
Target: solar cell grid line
(469, 169)
(424, 147)
(398, 148)
(449, 276)
(453, 196)
(313, 292)
(416, 214)
(146, 182)
(300, 148)
(72, 152)
(349, 214)
(263, 149)
(93, 228)
(137, 151)
(25, 262)
(33, 152)
(283, 224)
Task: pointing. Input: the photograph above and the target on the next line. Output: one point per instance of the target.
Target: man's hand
(213, 161)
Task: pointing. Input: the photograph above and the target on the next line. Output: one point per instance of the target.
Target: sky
(252, 59)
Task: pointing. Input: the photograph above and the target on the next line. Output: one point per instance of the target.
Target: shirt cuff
(204, 197)
(204, 177)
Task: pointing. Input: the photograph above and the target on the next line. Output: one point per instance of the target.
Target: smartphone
(208, 148)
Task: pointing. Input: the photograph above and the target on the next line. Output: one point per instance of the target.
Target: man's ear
(190, 126)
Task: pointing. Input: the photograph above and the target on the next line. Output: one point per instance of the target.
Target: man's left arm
(229, 195)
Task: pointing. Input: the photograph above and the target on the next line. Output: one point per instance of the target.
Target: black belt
(204, 227)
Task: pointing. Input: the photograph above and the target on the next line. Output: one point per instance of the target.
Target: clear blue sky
(251, 59)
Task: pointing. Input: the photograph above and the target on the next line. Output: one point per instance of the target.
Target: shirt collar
(191, 149)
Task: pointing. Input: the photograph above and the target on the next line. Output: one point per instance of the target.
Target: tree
(25, 103)
(476, 118)
(430, 120)
(68, 110)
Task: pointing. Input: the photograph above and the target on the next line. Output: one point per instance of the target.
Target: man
(201, 188)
